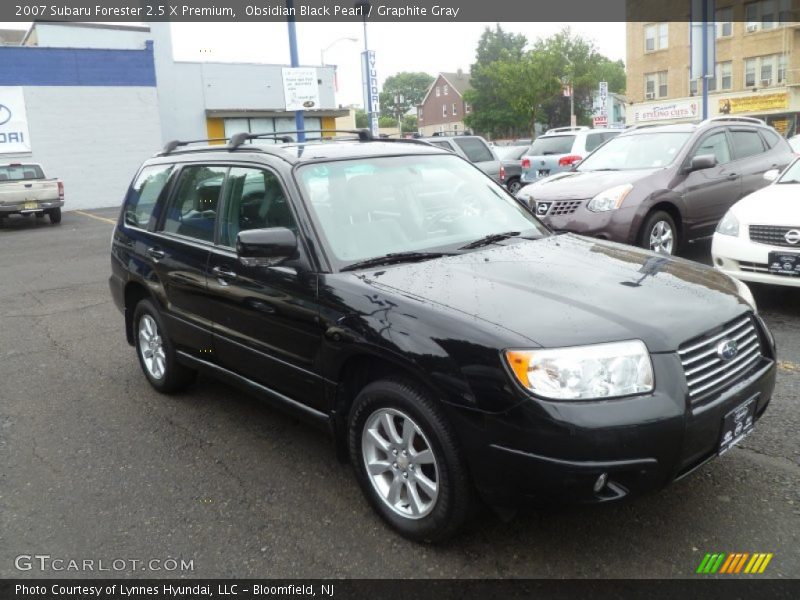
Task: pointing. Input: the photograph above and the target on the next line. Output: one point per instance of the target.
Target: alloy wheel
(400, 463)
(151, 347)
(662, 238)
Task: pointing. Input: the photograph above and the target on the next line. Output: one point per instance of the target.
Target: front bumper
(748, 261)
(26, 207)
(543, 452)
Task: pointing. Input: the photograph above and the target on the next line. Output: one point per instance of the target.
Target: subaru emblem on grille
(792, 236)
(542, 207)
(727, 349)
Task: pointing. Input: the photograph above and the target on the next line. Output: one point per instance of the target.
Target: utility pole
(299, 121)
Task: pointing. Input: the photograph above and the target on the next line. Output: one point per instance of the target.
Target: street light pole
(322, 52)
(299, 121)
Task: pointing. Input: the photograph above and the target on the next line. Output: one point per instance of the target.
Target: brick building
(443, 108)
(757, 70)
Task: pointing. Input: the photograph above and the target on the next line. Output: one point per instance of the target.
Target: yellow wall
(215, 129)
(327, 123)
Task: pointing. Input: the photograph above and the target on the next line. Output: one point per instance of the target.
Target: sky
(428, 47)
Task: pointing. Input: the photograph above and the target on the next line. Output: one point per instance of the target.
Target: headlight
(611, 199)
(729, 225)
(744, 291)
(584, 372)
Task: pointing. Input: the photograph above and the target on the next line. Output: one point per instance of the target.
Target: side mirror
(771, 175)
(266, 247)
(703, 161)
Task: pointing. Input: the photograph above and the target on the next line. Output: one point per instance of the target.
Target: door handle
(221, 273)
(155, 252)
(732, 175)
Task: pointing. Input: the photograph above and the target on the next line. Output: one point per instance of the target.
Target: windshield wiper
(489, 239)
(789, 181)
(394, 257)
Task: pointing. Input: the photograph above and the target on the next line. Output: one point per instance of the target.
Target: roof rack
(173, 145)
(644, 126)
(364, 135)
(729, 118)
(561, 129)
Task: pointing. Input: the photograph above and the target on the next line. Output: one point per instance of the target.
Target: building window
(750, 72)
(438, 91)
(454, 109)
(692, 85)
(445, 89)
(655, 85)
(766, 14)
(419, 114)
(656, 37)
(444, 110)
(784, 11)
(766, 72)
(725, 73)
(781, 68)
(467, 107)
(768, 20)
(724, 20)
(751, 16)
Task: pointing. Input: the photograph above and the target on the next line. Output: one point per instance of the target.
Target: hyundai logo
(792, 236)
(727, 349)
(5, 114)
(542, 208)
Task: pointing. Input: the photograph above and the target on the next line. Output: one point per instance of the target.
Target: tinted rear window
(475, 149)
(746, 143)
(552, 144)
(19, 172)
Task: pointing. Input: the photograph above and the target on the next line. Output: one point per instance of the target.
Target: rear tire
(156, 353)
(408, 462)
(55, 215)
(514, 186)
(660, 234)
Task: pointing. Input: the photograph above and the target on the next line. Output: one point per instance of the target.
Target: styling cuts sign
(680, 109)
(14, 136)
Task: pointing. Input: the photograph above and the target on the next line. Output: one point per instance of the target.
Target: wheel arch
(133, 294)
(672, 210)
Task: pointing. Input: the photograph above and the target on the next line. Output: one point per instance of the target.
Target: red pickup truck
(26, 191)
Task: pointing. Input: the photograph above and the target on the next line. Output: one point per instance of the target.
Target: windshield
(791, 174)
(370, 207)
(552, 144)
(637, 151)
(19, 172)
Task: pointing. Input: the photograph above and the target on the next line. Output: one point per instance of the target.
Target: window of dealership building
(757, 68)
(100, 99)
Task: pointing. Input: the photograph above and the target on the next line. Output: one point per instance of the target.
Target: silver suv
(559, 149)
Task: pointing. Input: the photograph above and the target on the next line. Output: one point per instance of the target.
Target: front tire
(55, 216)
(156, 352)
(408, 462)
(660, 234)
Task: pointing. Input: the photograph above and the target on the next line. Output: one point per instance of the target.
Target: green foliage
(412, 86)
(514, 88)
(361, 119)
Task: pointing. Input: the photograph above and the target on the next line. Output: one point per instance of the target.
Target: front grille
(706, 372)
(754, 267)
(564, 207)
(774, 235)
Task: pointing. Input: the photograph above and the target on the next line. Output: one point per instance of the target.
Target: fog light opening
(719, 262)
(600, 483)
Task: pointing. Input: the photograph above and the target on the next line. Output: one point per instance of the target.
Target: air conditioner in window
(766, 82)
(649, 95)
(751, 27)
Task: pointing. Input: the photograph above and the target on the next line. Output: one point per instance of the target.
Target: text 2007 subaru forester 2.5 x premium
(450, 343)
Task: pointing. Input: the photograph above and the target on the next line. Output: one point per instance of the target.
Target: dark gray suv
(659, 187)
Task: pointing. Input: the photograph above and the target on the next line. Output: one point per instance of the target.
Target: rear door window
(593, 140)
(746, 142)
(717, 145)
(192, 209)
(445, 145)
(144, 194)
(552, 144)
(770, 137)
(475, 149)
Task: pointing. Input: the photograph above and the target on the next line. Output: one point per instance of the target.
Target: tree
(412, 87)
(362, 122)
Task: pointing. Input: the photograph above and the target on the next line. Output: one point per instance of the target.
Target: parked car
(472, 147)
(560, 149)
(758, 239)
(794, 142)
(511, 165)
(659, 187)
(24, 190)
(375, 288)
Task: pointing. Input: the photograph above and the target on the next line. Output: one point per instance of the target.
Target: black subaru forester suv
(453, 347)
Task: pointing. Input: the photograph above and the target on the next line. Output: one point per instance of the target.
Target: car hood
(580, 184)
(568, 290)
(776, 204)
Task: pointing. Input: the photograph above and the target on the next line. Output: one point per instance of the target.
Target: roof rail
(729, 118)
(560, 129)
(173, 145)
(364, 135)
(644, 126)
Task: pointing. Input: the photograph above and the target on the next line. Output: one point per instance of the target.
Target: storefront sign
(369, 79)
(14, 136)
(680, 109)
(754, 103)
(300, 88)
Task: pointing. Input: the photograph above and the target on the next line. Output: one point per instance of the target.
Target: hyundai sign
(14, 137)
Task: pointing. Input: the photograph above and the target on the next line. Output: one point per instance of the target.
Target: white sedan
(758, 239)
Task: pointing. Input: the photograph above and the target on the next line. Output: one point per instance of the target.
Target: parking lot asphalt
(94, 464)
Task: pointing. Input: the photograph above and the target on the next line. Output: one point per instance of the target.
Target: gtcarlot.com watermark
(49, 563)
